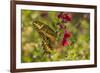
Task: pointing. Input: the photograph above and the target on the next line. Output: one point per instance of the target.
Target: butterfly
(49, 36)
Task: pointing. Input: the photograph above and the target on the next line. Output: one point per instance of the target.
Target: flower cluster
(65, 18)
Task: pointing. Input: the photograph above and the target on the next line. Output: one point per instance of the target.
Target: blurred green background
(33, 51)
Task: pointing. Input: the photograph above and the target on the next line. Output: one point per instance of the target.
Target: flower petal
(65, 43)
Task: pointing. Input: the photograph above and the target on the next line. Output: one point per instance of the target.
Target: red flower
(60, 15)
(65, 42)
(65, 17)
(65, 38)
(67, 35)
